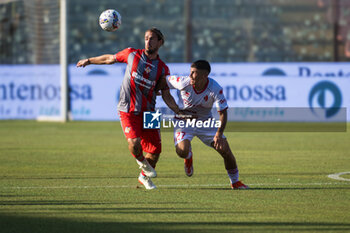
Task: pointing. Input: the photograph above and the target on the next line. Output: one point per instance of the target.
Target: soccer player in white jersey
(198, 93)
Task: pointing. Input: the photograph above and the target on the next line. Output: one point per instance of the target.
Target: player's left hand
(219, 142)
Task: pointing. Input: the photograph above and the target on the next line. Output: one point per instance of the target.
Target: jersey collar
(205, 87)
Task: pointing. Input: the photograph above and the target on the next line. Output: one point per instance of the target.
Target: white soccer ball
(110, 20)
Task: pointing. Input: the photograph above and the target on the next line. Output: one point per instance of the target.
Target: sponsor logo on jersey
(148, 70)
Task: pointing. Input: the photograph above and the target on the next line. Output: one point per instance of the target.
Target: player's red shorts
(132, 126)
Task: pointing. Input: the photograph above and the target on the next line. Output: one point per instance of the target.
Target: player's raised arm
(106, 59)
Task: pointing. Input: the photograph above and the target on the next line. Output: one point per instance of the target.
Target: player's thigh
(151, 141)
(131, 125)
(182, 134)
(207, 135)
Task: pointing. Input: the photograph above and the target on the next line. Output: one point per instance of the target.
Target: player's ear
(204, 73)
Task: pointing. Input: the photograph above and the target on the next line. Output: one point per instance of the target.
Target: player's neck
(151, 56)
(201, 86)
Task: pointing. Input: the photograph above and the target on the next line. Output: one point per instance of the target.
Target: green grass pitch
(80, 177)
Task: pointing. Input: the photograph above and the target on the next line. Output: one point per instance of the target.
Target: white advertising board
(31, 91)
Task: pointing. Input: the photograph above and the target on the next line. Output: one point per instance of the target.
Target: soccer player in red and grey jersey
(198, 93)
(144, 77)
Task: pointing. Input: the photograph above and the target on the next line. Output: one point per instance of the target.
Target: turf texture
(80, 177)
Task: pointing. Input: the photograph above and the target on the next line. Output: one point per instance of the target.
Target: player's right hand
(83, 63)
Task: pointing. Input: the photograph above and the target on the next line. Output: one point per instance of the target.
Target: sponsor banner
(28, 91)
(31, 91)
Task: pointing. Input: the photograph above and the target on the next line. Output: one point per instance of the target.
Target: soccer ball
(110, 20)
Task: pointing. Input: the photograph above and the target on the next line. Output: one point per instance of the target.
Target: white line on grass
(170, 186)
(336, 176)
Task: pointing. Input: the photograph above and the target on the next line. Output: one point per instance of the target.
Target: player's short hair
(158, 33)
(201, 65)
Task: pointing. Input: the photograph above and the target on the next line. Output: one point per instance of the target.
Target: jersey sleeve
(177, 82)
(166, 71)
(220, 100)
(122, 56)
(162, 83)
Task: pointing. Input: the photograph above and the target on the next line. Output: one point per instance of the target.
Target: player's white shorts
(206, 135)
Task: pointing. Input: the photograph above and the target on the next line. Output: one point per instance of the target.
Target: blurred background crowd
(216, 30)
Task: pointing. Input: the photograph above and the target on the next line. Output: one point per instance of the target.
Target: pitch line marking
(336, 176)
(168, 186)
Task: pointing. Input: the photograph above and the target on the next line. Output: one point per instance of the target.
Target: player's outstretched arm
(106, 59)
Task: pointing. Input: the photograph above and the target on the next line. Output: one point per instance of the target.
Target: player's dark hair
(201, 65)
(158, 33)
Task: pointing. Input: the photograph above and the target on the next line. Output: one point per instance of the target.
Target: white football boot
(147, 168)
(146, 181)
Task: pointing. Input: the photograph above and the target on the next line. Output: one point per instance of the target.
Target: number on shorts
(179, 136)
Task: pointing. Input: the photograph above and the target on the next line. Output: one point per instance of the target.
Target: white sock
(233, 175)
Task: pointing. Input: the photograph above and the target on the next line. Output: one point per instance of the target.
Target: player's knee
(134, 144)
(225, 151)
(152, 159)
(224, 154)
(182, 152)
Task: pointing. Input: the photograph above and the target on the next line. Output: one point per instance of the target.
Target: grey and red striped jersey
(138, 90)
(198, 103)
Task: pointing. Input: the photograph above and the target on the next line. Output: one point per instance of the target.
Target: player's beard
(151, 51)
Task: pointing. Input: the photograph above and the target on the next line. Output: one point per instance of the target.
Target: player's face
(152, 43)
(198, 77)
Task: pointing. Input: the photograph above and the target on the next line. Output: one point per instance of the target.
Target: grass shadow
(10, 223)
